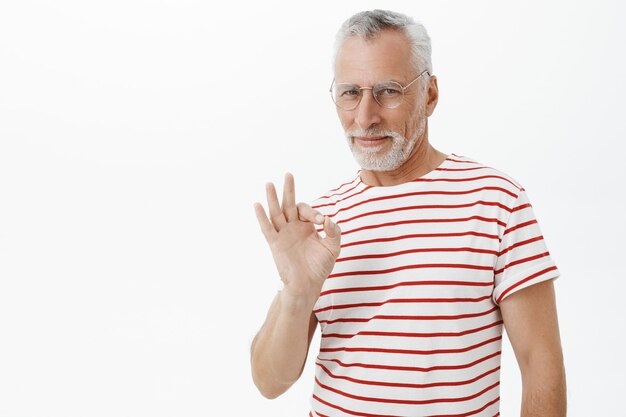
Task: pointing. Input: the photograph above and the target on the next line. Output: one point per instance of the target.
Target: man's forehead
(386, 55)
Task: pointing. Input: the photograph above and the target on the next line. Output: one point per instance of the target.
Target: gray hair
(369, 24)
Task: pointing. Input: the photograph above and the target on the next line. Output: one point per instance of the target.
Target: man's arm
(280, 348)
(304, 260)
(531, 323)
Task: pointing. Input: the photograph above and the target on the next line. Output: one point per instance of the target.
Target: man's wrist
(300, 302)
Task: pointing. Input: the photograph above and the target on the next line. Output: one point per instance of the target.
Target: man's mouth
(369, 141)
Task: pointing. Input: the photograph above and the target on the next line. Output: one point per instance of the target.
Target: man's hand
(303, 258)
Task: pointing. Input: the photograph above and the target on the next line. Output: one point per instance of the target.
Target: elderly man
(413, 268)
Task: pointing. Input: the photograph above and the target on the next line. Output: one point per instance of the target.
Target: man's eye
(389, 92)
(350, 92)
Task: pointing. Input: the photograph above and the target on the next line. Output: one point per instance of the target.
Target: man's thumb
(332, 230)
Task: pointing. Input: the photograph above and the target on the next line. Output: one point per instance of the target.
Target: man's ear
(433, 95)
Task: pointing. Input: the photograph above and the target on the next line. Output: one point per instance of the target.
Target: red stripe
(519, 226)
(460, 169)
(342, 199)
(523, 260)
(404, 385)
(420, 235)
(408, 283)
(523, 206)
(465, 179)
(415, 266)
(418, 221)
(358, 177)
(403, 300)
(419, 207)
(360, 414)
(341, 193)
(521, 243)
(416, 193)
(471, 413)
(345, 410)
(392, 317)
(517, 284)
(412, 368)
(461, 162)
(412, 351)
(404, 252)
(408, 402)
(409, 334)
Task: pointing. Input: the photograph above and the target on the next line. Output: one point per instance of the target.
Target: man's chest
(415, 257)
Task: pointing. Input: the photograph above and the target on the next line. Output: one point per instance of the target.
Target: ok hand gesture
(303, 258)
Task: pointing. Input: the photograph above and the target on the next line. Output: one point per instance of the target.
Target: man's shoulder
(469, 168)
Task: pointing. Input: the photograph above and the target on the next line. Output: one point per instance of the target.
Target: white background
(136, 135)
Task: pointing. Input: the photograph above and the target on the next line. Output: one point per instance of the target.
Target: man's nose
(368, 111)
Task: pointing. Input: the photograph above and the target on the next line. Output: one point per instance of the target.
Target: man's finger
(266, 226)
(276, 214)
(289, 198)
(333, 236)
(308, 214)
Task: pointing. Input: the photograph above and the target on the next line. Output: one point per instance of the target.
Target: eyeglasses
(389, 94)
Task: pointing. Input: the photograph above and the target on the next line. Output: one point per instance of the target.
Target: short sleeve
(523, 258)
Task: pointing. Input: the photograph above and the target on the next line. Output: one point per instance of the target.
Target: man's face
(381, 139)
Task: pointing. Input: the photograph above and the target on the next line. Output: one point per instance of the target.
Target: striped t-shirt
(409, 315)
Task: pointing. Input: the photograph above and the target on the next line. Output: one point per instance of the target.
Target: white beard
(401, 147)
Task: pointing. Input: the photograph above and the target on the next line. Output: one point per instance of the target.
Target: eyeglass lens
(388, 94)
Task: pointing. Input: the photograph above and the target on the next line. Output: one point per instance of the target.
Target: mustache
(372, 133)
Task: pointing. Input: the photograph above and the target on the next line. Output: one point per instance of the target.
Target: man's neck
(422, 160)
